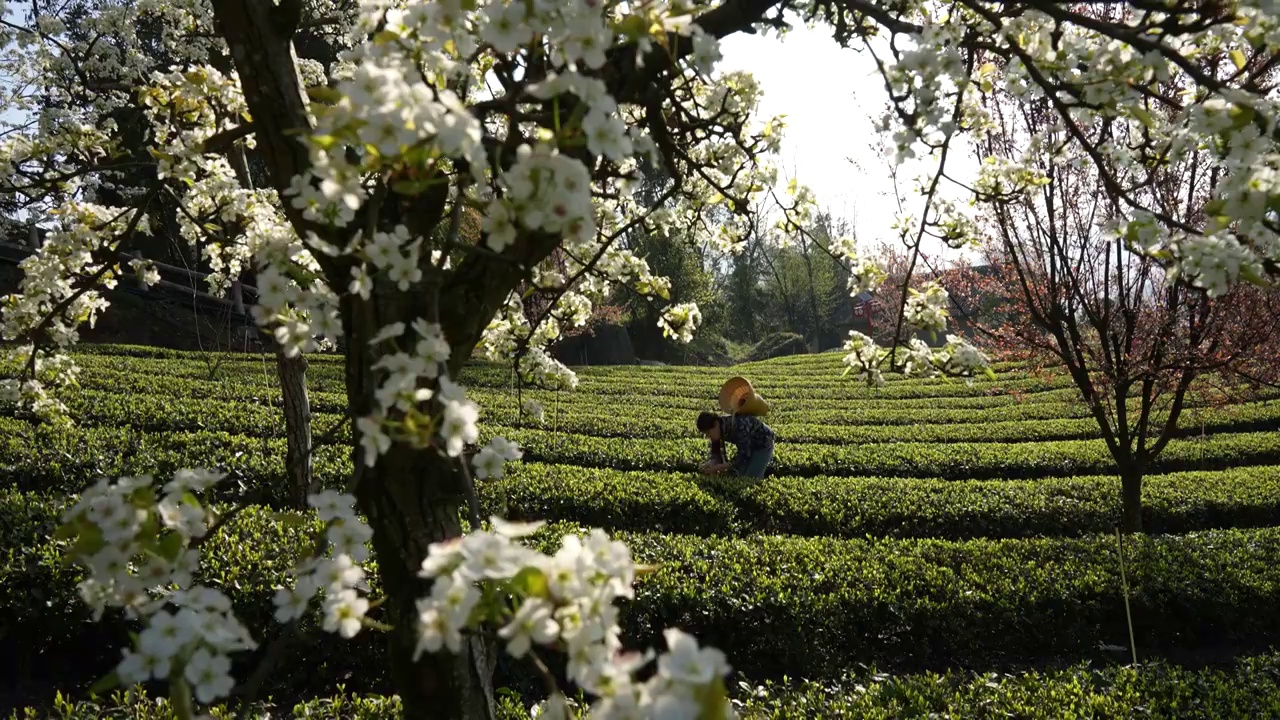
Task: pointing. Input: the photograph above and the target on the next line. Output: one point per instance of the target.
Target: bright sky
(831, 97)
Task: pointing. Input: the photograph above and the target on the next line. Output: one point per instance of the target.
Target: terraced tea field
(921, 528)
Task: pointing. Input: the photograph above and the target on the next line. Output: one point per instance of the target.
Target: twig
(1124, 581)
(473, 500)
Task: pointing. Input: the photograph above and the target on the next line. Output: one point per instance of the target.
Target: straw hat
(738, 397)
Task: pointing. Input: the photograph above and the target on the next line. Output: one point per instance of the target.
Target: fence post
(237, 297)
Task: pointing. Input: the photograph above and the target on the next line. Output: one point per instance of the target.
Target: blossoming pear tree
(533, 115)
(435, 113)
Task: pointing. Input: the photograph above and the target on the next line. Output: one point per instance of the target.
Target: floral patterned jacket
(748, 433)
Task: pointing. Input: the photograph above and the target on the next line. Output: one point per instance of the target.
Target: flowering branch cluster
(925, 312)
(140, 550)
(565, 601)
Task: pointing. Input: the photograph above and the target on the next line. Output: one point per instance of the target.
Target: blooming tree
(373, 163)
(1133, 337)
(532, 115)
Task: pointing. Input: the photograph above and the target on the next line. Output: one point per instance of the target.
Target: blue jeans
(758, 463)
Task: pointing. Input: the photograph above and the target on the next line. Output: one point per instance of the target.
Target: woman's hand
(708, 468)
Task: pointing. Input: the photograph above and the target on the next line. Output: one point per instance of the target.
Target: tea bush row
(621, 382)
(881, 507)
(954, 461)
(44, 457)
(1249, 688)
(156, 412)
(808, 607)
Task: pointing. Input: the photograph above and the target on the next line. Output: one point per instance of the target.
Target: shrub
(952, 461)
(776, 605)
(1246, 689)
(58, 459)
(880, 507)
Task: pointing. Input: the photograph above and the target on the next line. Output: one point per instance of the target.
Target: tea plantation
(926, 549)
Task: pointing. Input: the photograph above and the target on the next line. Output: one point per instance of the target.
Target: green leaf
(143, 497)
(714, 701)
(1251, 275)
(290, 519)
(530, 582)
(324, 94)
(66, 531)
(89, 542)
(633, 26)
(324, 142)
(1237, 57)
(105, 683)
(170, 546)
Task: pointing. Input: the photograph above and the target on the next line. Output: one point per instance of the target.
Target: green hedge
(258, 385)
(955, 461)
(66, 460)
(159, 353)
(809, 607)
(777, 605)
(121, 382)
(50, 458)
(259, 391)
(62, 647)
(138, 705)
(851, 412)
(1246, 689)
(160, 413)
(812, 365)
(847, 390)
(641, 423)
(1057, 403)
(880, 507)
(329, 377)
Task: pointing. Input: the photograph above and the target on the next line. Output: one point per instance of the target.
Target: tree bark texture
(1131, 500)
(412, 498)
(299, 463)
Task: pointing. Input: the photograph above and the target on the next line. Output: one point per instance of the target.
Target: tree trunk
(406, 518)
(1131, 501)
(412, 497)
(297, 424)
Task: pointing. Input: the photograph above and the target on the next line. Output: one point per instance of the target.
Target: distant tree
(742, 290)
